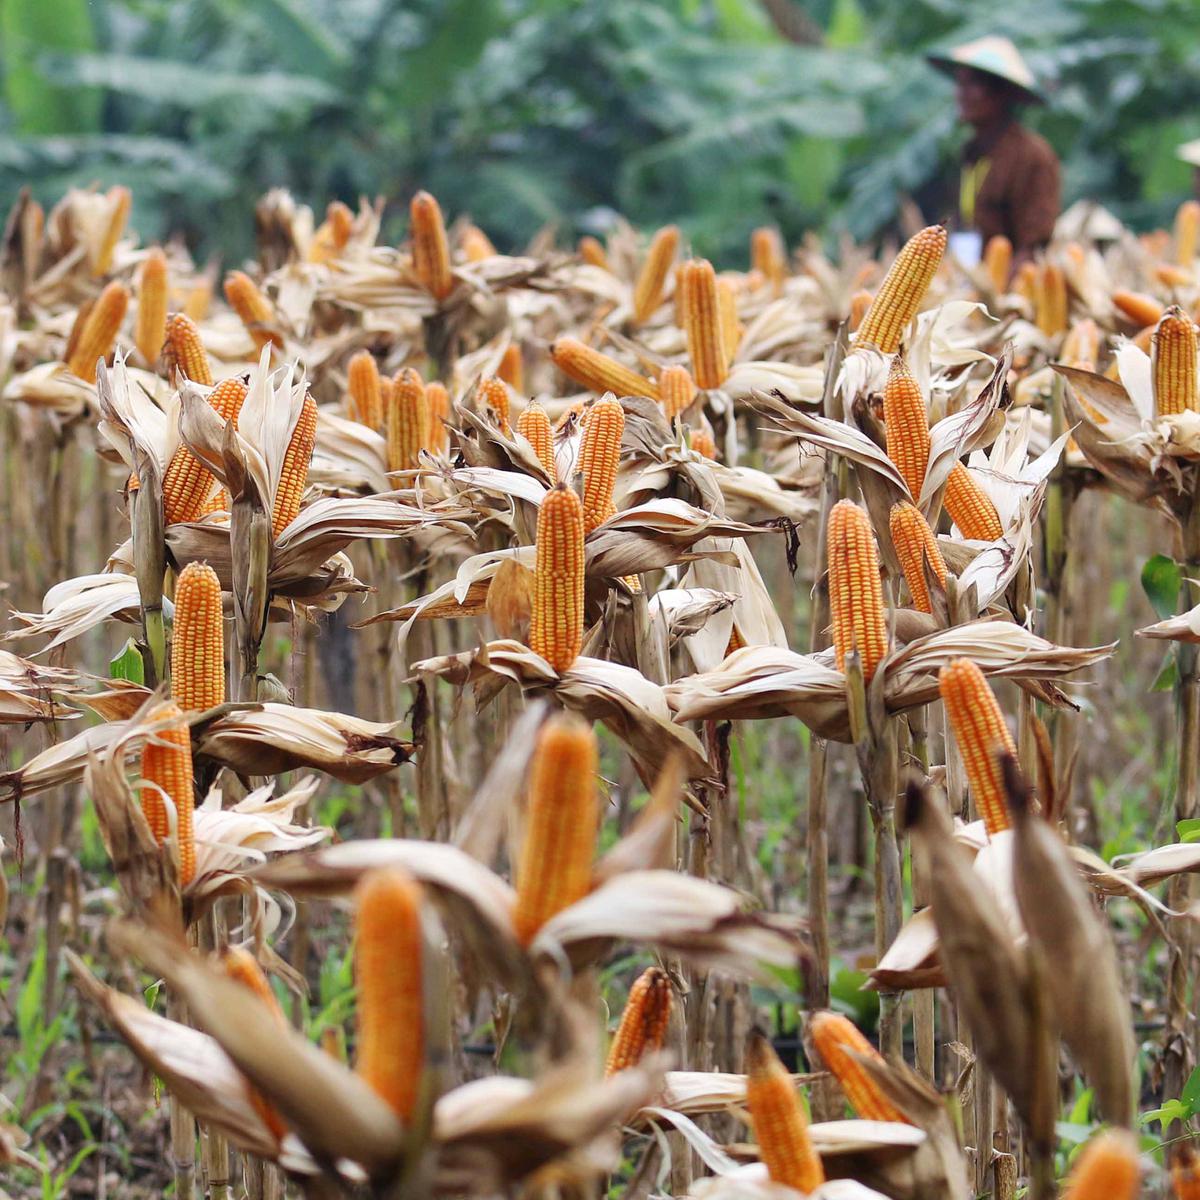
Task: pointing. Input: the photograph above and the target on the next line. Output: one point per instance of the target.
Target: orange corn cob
(168, 766)
(511, 369)
(534, 425)
(366, 396)
(199, 300)
(1173, 364)
(1140, 309)
(293, 477)
(388, 953)
(1187, 232)
(593, 253)
(122, 201)
(476, 245)
(643, 1027)
(704, 443)
(198, 643)
(731, 327)
(833, 1036)
(906, 425)
(997, 258)
(1082, 345)
(915, 546)
(703, 325)
(332, 234)
(242, 967)
(561, 819)
(860, 302)
(407, 421)
(1051, 300)
(780, 1124)
(1171, 276)
(599, 457)
(185, 351)
(970, 507)
(252, 307)
(648, 291)
(981, 734)
(1026, 281)
(597, 371)
(437, 401)
(556, 626)
(1185, 1174)
(736, 642)
(855, 589)
(187, 484)
(767, 256)
(99, 333)
(151, 329)
(430, 250)
(492, 393)
(1107, 1169)
(677, 390)
(903, 288)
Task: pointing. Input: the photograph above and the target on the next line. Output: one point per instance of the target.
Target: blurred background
(720, 115)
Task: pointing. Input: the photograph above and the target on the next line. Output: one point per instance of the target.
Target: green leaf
(1191, 1091)
(847, 26)
(1161, 580)
(1173, 1110)
(1188, 831)
(1167, 675)
(128, 664)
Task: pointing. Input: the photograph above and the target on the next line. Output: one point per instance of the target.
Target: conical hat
(1189, 152)
(993, 56)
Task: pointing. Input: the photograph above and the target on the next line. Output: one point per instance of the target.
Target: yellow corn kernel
(407, 421)
(855, 589)
(768, 256)
(648, 291)
(199, 299)
(430, 249)
(1107, 1169)
(780, 1124)
(1173, 364)
(970, 507)
(99, 333)
(167, 770)
(599, 457)
(906, 425)
(860, 303)
(1050, 300)
(185, 351)
(476, 245)
(187, 483)
(366, 395)
(703, 443)
(703, 325)
(593, 253)
(643, 1027)
(198, 642)
(293, 476)
(253, 308)
(511, 369)
(736, 642)
(151, 329)
(903, 288)
(915, 546)
(1187, 232)
(493, 394)
(561, 818)
(437, 401)
(121, 200)
(997, 259)
(677, 390)
(981, 734)
(833, 1035)
(598, 371)
(556, 626)
(534, 426)
(731, 327)
(332, 234)
(1140, 309)
(388, 969)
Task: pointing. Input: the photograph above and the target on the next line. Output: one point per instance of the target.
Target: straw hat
(1189, 152)
(995, 56)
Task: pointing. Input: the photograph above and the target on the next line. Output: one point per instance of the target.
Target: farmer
(1009, 182)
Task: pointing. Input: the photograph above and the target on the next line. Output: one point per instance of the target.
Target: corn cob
(780, 1124)
(293, 476)
(167, 769)
(643, 1027)
(242, 967)
(703, 443)
(534, 426)
(1171, 276)
(511, 369)
(855, 589)
(1173, 364)
(731, 327)
(151, 328)
(1187, 232)
(122, 201)
(593, 253)
(915, 546)
(997, 258)
(1185, 1174)
(476, 245)
(599, 457)
(185, 351)
(860, 302)
(1026, 283)
(1140, 309)
(648, 291)
(366, 396)
(677, 390)
(703, 325)
(768, 257)
(430, 250)
(970, 508)
(98, 335)
(561, 819)
(833, 1036)
(187, 483)
(981, 734)
(388, 969)
(1051, 300)
(597, 371)
(437, 401)
(1081, 348)
(677, 300)
(407, 421)
(252, 307)
(906, 425)
(1107, 1169)
(199, 299)
(736, 642)
(198, 644)
(332, 234)
(492, 393)
(903, 288)
(556, 627)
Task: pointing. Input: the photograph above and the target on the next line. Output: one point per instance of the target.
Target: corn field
(584, 721)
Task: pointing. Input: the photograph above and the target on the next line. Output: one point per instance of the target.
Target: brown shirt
(1020, 195)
